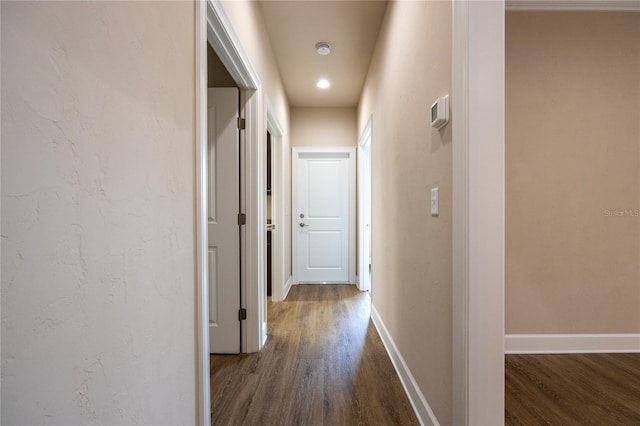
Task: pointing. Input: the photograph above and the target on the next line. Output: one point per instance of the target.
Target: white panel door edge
(223, 206)
(323, 215)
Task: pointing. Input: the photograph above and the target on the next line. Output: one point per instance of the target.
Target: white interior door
(323, 219)
(223, 206)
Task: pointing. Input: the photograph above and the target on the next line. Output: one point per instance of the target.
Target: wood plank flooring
(572, 389)
(323, 364)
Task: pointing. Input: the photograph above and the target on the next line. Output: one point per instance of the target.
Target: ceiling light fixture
(323, 83)
(323, 48)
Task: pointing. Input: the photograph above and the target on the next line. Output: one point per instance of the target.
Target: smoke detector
(323, 48)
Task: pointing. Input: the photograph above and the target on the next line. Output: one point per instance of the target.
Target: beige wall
(411, 286)
(248, 23)
(98, 213)
(572, 154)
(324, 127)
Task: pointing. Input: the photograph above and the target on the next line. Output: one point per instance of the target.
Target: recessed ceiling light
(323, 48)
(323, 83)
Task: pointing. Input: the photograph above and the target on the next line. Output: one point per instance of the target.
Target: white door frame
(278, 242)
(213, 26)
(352, 204)
(363, 264)
(227, 46)
(478, 212)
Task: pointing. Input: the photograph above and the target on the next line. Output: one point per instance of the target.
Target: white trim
(287, 287)
(278, 242)
(421, 407)
(272, 120)
(365, 138)
(203, 399)
(571, 343)
(352, 204)
(478, 212)
(486, 229)
(226, 44)
(264, 333)
(460, 212)
(254, 254)
(366, 133)
(574, 5)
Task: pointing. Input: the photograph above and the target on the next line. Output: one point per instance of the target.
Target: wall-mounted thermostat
(440, 112)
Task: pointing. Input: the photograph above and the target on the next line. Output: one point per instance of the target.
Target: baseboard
(418, 401)
(571, 343)
(287, 287)
(573, 5)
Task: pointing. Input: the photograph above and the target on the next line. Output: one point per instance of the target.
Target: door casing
(213, 26)
(278, 234)
(365, 178)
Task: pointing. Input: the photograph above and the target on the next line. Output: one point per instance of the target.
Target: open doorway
(213, 28)
(571, 272)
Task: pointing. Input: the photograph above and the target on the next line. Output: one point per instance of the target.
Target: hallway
(323, 364)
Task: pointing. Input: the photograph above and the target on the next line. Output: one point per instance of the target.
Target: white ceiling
(350, 26)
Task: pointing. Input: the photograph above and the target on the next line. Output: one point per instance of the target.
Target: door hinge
(242, 314)
(242, 124)
(242, 219)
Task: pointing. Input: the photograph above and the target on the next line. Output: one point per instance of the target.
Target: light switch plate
(435, 202)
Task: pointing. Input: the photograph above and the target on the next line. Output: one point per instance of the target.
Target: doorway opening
(213, 27)
(224, 180)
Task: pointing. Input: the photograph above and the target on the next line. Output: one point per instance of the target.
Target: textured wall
(98, 213)
(324, 127)
(572, 160)
(412, 257)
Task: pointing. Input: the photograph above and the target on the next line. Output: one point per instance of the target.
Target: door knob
(302, 225)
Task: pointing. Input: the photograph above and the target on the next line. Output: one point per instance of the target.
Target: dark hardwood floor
(323, 364)
(575, 389)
